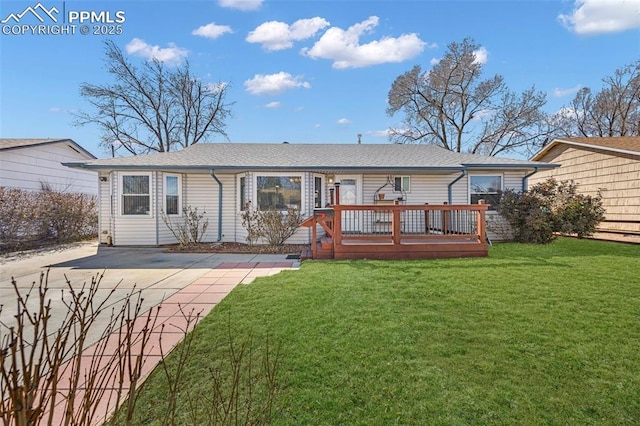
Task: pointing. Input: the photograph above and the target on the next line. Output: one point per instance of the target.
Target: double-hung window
(172, 190)
(136, 194)
(487, 188)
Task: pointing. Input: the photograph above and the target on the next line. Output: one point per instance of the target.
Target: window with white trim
(279, 192)
(487, 188)
(172, 195)
(402, 183)
(136, 194)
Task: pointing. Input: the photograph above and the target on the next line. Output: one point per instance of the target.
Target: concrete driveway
(158, 275)
(178, 281)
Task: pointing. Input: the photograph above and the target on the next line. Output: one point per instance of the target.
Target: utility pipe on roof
(213, 175)
(526, 177)
(450, 186)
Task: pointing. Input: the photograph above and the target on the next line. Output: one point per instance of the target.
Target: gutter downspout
(450, 186)
(213, 175)
(524, 179)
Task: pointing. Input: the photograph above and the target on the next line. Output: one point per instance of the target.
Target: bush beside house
(29, 219)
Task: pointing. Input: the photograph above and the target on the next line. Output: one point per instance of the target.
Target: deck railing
(399, 231)
(409, 222)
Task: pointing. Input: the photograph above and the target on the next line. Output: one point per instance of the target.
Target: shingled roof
(265, 156)
(621, 144)
(7, 144)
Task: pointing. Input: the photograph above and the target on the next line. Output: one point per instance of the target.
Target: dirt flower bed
(238, 248)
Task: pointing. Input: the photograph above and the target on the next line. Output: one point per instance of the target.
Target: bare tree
(613, 111)
(154, 107)
(453, 107)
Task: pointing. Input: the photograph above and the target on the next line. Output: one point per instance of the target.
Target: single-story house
(221, 178)
(28, 164)
(608, 165)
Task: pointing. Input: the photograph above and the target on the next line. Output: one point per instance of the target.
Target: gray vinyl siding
(28, 167)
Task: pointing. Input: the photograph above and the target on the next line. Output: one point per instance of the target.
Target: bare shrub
(188, 229)
(45, 367)
(274, 226)
(30, 218)
(550, 207)
(17, 222)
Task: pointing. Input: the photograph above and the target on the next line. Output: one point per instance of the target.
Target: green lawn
(530, 335)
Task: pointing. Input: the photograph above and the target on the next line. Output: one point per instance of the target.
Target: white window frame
(302, 177)
(323, 191)
(121, 212)
(240, 195)
(402, 183)
(471, 176)
(165, 194)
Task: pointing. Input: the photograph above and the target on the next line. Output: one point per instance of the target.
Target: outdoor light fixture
(330, 178)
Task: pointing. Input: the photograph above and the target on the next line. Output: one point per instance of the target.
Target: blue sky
(305, 71)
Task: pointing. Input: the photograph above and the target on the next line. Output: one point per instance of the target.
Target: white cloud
(171, 55)
(434, 61)
(212, 30)
(344, 121)
(602, 16)
(481, 55)
(344, 48)
(379, 133)
(245, 5)
(276, 35)
(271, 84)
(274, 104)
(483, 114)
(216, 87)
(561, 93)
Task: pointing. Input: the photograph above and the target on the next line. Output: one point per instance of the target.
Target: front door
(350, 195)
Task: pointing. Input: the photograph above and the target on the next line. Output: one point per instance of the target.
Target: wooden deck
(399, 231)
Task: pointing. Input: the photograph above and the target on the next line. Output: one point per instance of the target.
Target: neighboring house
(609, 165)
(221, 178)
(29, 163)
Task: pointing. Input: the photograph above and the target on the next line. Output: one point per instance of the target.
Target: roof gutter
(213, 175)
(450, 186)
(526, 177)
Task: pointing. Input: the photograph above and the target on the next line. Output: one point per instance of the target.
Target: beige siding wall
(134, 230)
(104, 207)
(25, 168)
(201, 190)
(430, 189)
(616, 176)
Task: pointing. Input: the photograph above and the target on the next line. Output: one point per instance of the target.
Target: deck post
(314, 237)
(426, 220)
(445, 220)
(337, 226)
(482, 226)
(396, 226)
